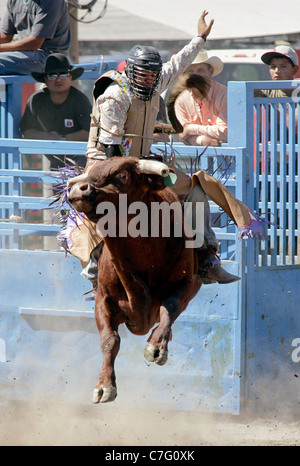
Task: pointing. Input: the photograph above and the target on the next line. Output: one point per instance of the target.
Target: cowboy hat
(58, 63)
(215, 62)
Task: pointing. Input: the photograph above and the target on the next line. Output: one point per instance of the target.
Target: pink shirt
(206, 119)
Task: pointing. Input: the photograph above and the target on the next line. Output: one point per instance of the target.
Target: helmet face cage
(141, 61)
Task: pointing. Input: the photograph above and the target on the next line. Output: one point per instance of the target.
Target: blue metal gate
(269, 128)
(228, 340)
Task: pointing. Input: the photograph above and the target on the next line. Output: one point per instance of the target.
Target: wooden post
(74, 47)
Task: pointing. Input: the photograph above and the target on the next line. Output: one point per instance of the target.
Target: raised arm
(180, 61)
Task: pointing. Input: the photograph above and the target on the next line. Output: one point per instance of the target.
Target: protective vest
(140, 122)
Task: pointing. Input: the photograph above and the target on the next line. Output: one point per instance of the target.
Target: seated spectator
(42, 28)
(59, 111)
(200, 105)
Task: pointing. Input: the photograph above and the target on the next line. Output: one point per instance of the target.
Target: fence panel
(269, 129)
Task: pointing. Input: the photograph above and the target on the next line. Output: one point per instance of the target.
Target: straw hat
(215, 62)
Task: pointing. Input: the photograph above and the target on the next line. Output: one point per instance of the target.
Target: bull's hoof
(104, 395)
(155, 354)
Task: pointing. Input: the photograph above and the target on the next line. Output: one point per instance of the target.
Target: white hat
(282, 51)
(215, 62)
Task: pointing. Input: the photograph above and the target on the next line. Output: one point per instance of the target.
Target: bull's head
(107, 179)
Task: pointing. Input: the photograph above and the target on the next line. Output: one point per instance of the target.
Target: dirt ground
(52, 423)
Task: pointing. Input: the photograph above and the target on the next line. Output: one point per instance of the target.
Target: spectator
(283, 66)
(206, 66)
(59, 111)
(204, 122)
(42, 27)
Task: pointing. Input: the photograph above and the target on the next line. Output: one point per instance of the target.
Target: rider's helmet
(143, 68)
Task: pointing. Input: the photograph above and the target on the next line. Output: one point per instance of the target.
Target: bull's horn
(76, 179)
(153, 167)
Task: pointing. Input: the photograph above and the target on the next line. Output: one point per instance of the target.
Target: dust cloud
(46, 401)
(52, 423)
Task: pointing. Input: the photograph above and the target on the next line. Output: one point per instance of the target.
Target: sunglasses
(53, 76)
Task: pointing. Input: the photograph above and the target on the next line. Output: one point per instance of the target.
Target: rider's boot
(210, 269)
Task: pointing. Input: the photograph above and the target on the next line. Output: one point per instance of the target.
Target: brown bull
(142, 280)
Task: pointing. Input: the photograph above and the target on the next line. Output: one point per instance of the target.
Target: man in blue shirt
(42, 27)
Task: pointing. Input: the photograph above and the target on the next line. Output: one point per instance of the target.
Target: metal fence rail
(13, 203)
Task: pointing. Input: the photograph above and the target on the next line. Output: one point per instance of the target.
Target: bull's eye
(122, 176)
